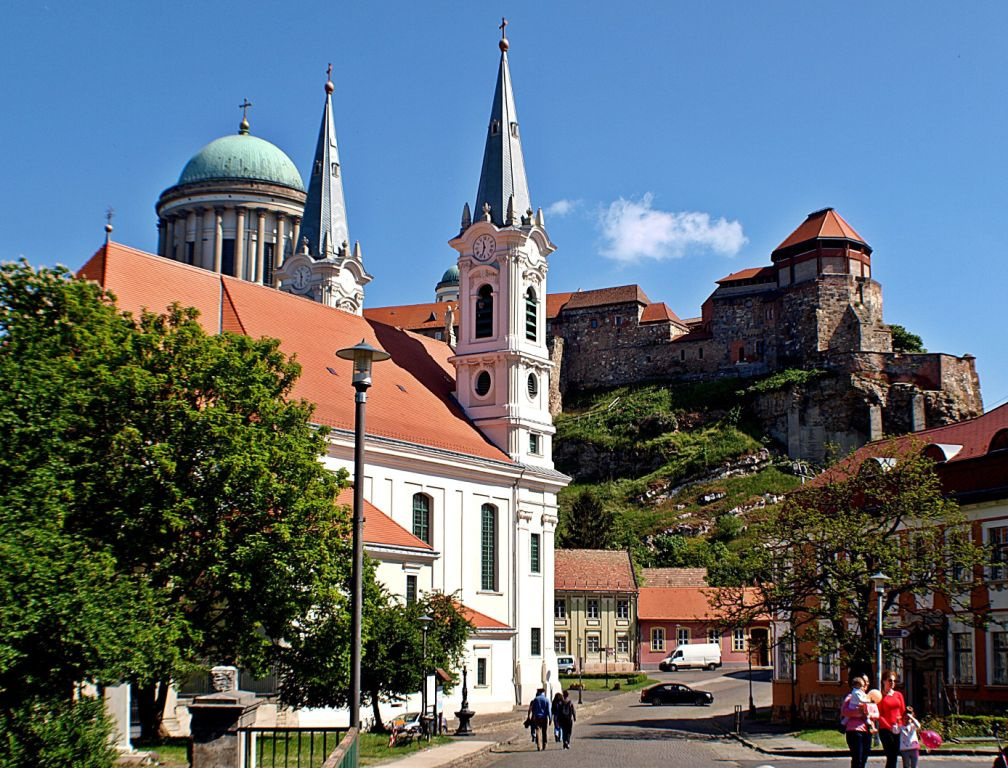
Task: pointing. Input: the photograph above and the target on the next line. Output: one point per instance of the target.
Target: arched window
(421, 516)
(484, 312)
(531, 315)
(1000, 441)
(488, 548)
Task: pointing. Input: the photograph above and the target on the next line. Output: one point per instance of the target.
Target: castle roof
(593, 570)
(659, 312)
(755, 274)
(600, 297)
(412, 396)
(825, 224)
(555, 302)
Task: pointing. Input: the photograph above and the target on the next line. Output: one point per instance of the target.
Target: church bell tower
(502, 365)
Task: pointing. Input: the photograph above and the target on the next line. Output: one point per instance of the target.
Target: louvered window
(531, 315)
(484, 313)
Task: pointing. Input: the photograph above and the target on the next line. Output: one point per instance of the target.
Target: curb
(824, 752)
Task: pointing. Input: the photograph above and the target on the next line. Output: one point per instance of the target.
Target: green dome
(242, 156)
(451, 275)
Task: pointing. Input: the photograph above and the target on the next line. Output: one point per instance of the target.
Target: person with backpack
(539, 714)
(565, 717)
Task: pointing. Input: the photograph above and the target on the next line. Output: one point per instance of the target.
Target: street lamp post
(880, 580)
(362, 355)
(748, 640)
(425, 621)
(580, 670)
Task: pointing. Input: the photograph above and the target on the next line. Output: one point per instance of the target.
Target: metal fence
(291, 747)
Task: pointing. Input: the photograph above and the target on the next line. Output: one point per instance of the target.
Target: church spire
(324, 224)
(502, 184)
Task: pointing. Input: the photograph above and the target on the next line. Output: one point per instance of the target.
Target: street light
(880, 580)
(425, 621)
(363, 355)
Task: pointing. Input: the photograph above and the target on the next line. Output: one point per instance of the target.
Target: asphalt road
(624, 733)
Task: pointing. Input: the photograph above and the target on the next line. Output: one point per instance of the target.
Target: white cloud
(562, 207)
(633, 230)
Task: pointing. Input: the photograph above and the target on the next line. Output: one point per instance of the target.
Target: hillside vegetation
(674, 473)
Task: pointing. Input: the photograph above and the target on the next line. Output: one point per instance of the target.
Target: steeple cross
(504, 23)
(328, 72)
(244, 107)
(109, 213)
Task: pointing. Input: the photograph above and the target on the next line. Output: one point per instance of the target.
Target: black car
(675, 693)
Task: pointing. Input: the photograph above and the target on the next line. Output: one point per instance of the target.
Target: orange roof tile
(555, 302)
(677, 603)
(411, 399)
(753, 273)
(824, 224)
(480, 620)
(674, 577)
(659, 312)
(593, 570)
(600, 297)
(413, 316)
(379, 528)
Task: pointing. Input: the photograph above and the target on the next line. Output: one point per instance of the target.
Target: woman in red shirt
(892, 709)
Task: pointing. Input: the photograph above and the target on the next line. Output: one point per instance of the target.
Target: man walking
(540, 712)
(565, 717)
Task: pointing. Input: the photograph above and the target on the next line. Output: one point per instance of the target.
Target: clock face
(301, 277)
(483, 248)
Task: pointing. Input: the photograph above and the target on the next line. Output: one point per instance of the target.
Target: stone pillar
(239, 259)
(874, 422)
(200, 256)
(260, 246)
(918, 419)
(117, 706)
(296, 239)
(161, 225)
(278, 248)
(217, 741)
(218, 238)
(169, 234)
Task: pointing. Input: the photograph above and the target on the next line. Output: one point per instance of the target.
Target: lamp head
(362, 355)
(879, 579)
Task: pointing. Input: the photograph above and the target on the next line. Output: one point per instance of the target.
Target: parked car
(566, 665)
(407, 721)
(696, 655)
(675, 693)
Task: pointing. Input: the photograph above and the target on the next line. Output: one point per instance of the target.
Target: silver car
(566, 665)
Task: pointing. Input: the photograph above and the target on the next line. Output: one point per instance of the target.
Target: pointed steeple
(324, 223)
(502, 184)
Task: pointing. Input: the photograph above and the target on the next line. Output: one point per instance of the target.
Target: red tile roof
(555, 302)
(659, 312)
(767, 274)
(677, 603)
(413, 316)
(379, 528)
(411, 399)
(674, 577)
(481, 620)
(601, 297)
(593, 570)
(824, 224)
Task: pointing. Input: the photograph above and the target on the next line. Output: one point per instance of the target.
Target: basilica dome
(242, 156)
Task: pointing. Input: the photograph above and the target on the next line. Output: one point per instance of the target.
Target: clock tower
(322, 266)
(502, 365)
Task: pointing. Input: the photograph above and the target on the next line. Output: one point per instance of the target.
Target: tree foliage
(904, 341)
(816, 554)
(588, 524)
(161, 499)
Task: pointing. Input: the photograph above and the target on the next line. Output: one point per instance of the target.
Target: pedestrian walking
(565, 717)
(892, 708)
(857, 729)
(909, 741)
(555, 711)
(539, 713)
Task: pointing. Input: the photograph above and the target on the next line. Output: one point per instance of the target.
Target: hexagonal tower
(502, 365)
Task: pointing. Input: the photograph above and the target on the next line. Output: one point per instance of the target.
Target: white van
(698, 655)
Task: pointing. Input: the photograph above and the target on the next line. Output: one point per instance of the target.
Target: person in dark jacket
(565, 717)
(555, 710)
(539, 712)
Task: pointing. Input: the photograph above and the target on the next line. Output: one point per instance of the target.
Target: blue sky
(670, 144)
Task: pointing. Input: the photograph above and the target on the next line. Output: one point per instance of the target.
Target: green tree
(162, 483)
(904, 341)
(815, 555)
(589, 523)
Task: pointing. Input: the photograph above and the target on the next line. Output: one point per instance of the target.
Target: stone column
(218, 238)
(296, 239)
(217, 741)
(239, 259)
(161, 237)
(200, 256)
(278, 247)
(169, 233)
(260, 246)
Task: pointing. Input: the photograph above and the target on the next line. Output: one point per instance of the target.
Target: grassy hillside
(674, 473)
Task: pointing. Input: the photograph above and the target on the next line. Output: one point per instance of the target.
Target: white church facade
(459, 477)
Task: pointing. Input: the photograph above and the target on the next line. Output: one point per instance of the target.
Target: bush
(56, 734)
(968, 726)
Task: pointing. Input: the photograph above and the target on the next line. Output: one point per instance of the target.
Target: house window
(962, 658)
(560, 609)
(622, 645)
(536, 641)
(593, 642)
(593, 611)
(411, 588)
(421, 517)
(738, 639)
(657, 638)
(829, 667)
(481, 672)
(999, 657)
(622, 609)
(997, 542)
(531, 315)
(535, 444)
(560, 642)
(488, 548)
(713, 636)
(682, 636)
(594, 323)
(534, 553)
(783, 664)
(484, 312)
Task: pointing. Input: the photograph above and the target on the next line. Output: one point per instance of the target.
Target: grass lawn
(826, 737)
(374, 747)
(599, 684)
